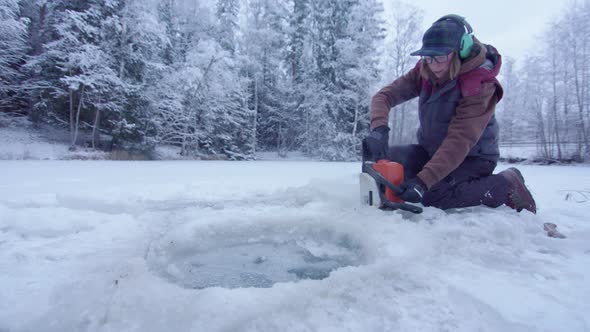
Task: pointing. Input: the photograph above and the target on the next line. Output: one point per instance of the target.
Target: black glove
(377, 143)
(413, 190)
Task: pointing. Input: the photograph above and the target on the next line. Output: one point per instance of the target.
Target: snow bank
(19, 144)
(20, 141)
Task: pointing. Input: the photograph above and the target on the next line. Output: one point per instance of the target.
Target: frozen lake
(279, 246)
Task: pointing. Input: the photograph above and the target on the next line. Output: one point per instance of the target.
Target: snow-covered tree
(227, 15)
(577, 36)
(299, 33)
(229, 77)
(137, 40)
(510, 108)
(339, 73)
(359, 60)
(264, 38)
(79, 71)
(560, 110)
(199, 103)
(198, 116)
(13, 47)
(404, 33)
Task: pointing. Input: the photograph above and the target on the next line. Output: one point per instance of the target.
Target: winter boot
(519, 197)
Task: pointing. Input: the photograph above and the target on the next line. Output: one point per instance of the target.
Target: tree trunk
(95, 127)
(580, 100)
(356, 119)
(76, 126)
(123, 46)
(554, 108)
(187, 140)
(38, 44)
(565, 92)
(393, 124)
(71, 92)
(585, 95)
(254, 125)
(37, 48)
(308, 133)
(541, 129)
(280, 151)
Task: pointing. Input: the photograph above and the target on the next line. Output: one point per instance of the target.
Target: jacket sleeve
(401, 90)
(472, 115)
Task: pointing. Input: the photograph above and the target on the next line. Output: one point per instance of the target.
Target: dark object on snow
(552, 231)
(519, 196)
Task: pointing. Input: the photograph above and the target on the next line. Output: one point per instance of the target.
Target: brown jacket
(471, 117)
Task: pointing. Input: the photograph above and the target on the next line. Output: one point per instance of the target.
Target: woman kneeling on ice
(452, 165)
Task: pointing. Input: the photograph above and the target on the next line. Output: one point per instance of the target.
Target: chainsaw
(379, 183)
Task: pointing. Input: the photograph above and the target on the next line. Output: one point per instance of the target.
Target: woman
(457, 150)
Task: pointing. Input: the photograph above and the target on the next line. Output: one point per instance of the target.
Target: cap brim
(432, 52)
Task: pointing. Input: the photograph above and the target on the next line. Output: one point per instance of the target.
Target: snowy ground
(19, 144)
(20, 141)
(135, 246)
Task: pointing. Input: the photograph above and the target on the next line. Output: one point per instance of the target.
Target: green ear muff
(466, 45)
(466, 38)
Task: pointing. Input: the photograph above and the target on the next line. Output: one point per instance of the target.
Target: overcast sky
(512, 26)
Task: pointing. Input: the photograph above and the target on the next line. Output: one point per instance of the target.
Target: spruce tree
(13, 49)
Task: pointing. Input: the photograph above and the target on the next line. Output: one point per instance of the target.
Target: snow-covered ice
(135, 246)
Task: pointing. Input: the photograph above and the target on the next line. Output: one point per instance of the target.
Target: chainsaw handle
(402, 206)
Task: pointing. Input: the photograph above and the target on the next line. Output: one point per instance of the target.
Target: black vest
(436, 110)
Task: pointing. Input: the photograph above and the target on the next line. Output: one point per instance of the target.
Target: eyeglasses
(437, 59)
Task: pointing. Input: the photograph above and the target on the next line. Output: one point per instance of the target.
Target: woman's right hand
(377, 143)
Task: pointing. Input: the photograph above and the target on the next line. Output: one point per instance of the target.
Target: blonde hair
(455, 66)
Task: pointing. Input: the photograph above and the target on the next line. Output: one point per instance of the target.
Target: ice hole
(260, 258)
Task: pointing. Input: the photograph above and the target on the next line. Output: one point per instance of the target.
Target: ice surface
(134, 246)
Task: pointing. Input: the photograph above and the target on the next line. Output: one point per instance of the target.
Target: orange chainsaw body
(394, 173)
